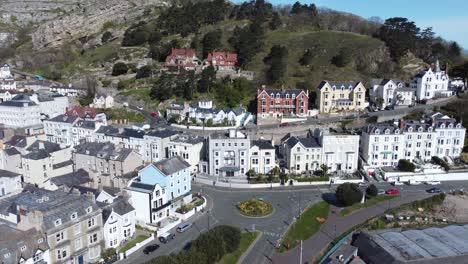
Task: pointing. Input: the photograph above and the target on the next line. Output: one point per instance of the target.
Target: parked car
(284, 124)
(397, 183)
(150, 248)
(154, 114)
(390, 107)
(166, 237)
(125, 104)
(392, 191)
(434, 190)
(380, 192)
(183, 227)
(433, 182)
(140, 108)
(413, 182)
(363, 184)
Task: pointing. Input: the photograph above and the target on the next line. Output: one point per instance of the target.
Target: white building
(157, 144)
(119, 217)
(59, 129)
(10, 183)
(437, 135)
(431, 83)
(262, 156)
(83, 130)
(228, 154)
(67, 90)
(390, 92)
(45, 160)
(7, 84)
(302, 154)
(340, 151)
(125, 137)
(103, 101)
(205, 111)
(5, 72)
(189, 147)
(6, 95)
(159, 189)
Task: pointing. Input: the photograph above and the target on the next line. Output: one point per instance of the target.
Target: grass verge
(132, 243)
(306, 226)
(247, 238)
(370, 202)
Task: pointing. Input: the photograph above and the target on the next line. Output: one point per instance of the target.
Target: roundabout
(255, 208)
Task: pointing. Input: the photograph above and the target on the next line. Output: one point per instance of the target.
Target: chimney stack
(402, 124)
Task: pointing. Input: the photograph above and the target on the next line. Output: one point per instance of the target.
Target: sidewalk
(335, 226)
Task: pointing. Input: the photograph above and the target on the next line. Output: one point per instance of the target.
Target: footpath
(335, 226)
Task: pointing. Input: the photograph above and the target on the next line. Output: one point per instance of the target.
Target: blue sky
(448, 18)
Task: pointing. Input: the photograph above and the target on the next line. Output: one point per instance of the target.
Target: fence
(136, 247)
(268, 185)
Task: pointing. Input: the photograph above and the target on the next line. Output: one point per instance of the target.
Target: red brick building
(185, 58)
(278, 102)
(222, 60)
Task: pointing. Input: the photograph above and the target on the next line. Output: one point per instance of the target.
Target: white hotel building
(431, 83)
(437, 135)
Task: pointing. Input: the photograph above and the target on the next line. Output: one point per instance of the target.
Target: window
(74, 216)
(77, 228)
(89, 209)
(23, 248)
(61, 253)
(91, 222)
(93, 238)
(58, 222)
(37, 257)
(78, 244)
(59, 237)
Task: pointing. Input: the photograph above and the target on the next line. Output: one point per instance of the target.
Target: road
(287, 202)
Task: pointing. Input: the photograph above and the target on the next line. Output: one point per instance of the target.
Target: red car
(284, 124)
(392, 191)
(154, 114)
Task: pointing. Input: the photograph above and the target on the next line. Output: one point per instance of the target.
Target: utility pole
(300, 257)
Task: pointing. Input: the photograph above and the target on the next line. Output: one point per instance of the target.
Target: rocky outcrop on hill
(87, 20)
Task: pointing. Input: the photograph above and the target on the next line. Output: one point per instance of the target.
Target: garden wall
(136, 247)
(268, 185)
(204, 128)
(423, 177)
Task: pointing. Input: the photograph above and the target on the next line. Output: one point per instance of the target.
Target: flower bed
(255, 208)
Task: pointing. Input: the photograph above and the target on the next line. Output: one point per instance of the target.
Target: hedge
(313, 179)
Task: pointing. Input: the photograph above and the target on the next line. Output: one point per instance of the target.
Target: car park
(166, 237)
(434, 190)
(183, 227)
(150, 248)
(392, 191)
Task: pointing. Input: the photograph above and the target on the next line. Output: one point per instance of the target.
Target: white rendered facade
(431, 83)
(262, 156)
(340, 152)
(391, 92)
(188, 147)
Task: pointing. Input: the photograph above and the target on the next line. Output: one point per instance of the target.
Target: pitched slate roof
(12, 151)
(306, 142)
(188, 138)
(64, 119)
(82, 112)
(8, 174)
(281, 92)
(171, 165)
(17, 141)
(103, 150)
(76, 178)
(41, 149)
(162, 133)
(338, 85)
(13, 240)
(120, 206)
(262, 144)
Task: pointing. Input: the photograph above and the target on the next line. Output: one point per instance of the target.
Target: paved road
(287, 201)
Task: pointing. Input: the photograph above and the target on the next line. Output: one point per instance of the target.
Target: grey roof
(110, 190)
(383, 82)
(306, 142)
(162, 133)
(262, 144)
(12, 240)
(188, 138)
(338, 85)
(78, 177)
(64, 119)
(87, 124)
(12, 151)
(52, 204)
(120, 206)
(19, 100)
(282, 92)
(103, 150)
(8, 174)
(381, 127)
(63, 164)
(17, 141)
(431, 245)
(41, 149)
(171, 165)
(108, 130)
(148, 188)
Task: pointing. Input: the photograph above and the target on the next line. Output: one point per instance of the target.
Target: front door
(80, 260)
(338, 167)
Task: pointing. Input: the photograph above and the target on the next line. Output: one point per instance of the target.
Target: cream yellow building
(341, 96)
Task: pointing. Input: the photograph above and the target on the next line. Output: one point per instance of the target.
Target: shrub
(406, 165)
(372, 191)
(143, 72)
(119, 68)
(464, 157)
(372, 119)
(348, 194)
(440, 162)
(313, 179)
(106, 37)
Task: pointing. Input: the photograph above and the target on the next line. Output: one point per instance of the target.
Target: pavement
(288, 202)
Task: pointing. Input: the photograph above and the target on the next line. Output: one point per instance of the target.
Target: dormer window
(40, 240)
(277, 95)
(334, 87)
(287, 96)
(429, 129)
(342, 87)
(377, 131)
(442, 126)
(450, 126)
(89, 210)
(7, 255)
(458, 126)
(58, 222)
(293, 95)
(23, 248)
(387, 131)
(74, 216)
(410, 129)
(397, 131)
(272, 95)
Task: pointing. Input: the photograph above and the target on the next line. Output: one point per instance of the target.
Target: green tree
(400, 35)
(144, 72)
(380, 102)
(348, 194)
(169, 259)
(307, 58)
(406, 165)
(106, 37)
(119, 68)
(207, 79)
(211, 244)
(211, 41)
(372, 191)
(324, 169)
(247, 41)
(278, 61)
(209, 122)
(275, 21)
(251, 174)
(343, 57)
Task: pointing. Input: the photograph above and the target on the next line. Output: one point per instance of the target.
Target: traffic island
(255, 208)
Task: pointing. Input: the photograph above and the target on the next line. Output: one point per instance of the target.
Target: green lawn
(132, 243)
(247, 238)
(306, 226)
(121, 113)
(378, 199)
